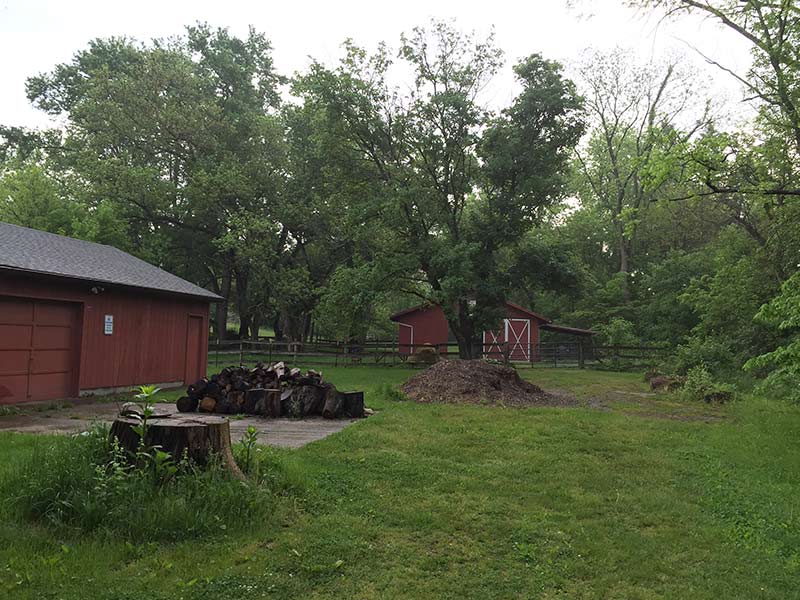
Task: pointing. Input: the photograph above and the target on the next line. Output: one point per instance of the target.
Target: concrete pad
(74, 416)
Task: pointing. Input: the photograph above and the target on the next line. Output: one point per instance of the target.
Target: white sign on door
(109, 325)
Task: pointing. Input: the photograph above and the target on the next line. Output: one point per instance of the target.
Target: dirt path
(78, 415)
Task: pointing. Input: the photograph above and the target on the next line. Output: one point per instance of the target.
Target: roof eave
(208, 296)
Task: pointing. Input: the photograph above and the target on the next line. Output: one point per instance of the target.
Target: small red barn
(518, 334)
(79, 318)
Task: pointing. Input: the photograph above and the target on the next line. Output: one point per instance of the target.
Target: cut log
(269, 404)
(274, 403)
(252, 398)
(291, 403)
(311, 399)
(333, 403)
(225, 407)
(353, 404)
(199, 437)
(208, 405)
(186, 404)
(237, 400)
(198, 389)
(214, 391)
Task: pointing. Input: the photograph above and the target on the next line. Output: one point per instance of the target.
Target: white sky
(35, 35)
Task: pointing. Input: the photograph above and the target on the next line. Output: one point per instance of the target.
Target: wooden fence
(391, 353)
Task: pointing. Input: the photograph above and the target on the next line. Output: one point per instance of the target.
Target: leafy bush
(702, 351)
(617, 332)
(85, 484)
(781, 367)
(700, 386)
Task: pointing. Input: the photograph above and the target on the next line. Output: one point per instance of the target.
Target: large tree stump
(198, 436)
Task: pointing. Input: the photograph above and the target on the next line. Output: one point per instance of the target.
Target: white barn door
(518, 336)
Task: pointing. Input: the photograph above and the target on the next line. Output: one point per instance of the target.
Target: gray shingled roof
(41, 252)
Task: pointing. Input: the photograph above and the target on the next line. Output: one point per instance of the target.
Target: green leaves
(452, 186)
(781, 366)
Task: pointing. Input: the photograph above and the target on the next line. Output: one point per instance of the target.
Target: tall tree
(639, 113)
(182, 136)
(456, 183)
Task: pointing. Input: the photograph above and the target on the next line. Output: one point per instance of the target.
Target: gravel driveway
(77, 415)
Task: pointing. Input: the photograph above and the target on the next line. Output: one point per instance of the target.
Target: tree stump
(199, 436)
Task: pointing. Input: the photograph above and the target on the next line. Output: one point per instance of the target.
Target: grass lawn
(629, 497)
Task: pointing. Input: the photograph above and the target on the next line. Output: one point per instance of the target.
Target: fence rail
(392, 353)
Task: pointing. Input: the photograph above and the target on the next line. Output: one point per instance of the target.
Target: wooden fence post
(581, 364)
(241, 353)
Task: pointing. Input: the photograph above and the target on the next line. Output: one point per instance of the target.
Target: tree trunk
(243, 302)
(624, 263)
(464, 331)
(244, 326)
(198, 437)
(255, 326)
(221, 311)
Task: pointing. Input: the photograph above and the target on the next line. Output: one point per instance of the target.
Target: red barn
(519, 331)
(79, 318)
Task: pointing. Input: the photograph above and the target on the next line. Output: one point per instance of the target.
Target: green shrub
(617, 332)
(780, 368)
(84, 484)
(700, 351)
(700, 386)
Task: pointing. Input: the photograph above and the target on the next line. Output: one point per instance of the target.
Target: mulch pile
(479, 382)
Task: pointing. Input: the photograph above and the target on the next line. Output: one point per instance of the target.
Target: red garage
(79, 318)
(518, 334)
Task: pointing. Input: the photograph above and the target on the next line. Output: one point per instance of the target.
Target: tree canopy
(317, 204)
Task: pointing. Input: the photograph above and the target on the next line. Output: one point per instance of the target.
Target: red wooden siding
(149, 343)
(195, 352)
(425, 326)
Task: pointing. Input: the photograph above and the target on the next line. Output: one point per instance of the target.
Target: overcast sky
(35, 35)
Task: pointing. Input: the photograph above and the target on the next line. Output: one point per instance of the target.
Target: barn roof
(33, 251)
(529, 312)
(568, 330)
(407, 311)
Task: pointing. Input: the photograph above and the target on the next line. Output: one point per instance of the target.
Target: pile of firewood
(271, 391)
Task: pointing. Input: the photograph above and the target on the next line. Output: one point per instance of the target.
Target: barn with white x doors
(516, 337)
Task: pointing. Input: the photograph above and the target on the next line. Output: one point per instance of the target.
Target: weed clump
(701, 386)
(86, 484)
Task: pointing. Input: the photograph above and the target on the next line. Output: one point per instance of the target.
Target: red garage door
(38, 350)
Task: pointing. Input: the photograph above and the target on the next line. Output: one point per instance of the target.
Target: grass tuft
(82, 484)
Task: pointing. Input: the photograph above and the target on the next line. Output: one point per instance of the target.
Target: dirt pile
(478, 382)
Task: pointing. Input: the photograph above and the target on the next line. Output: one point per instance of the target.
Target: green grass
(642, 497)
